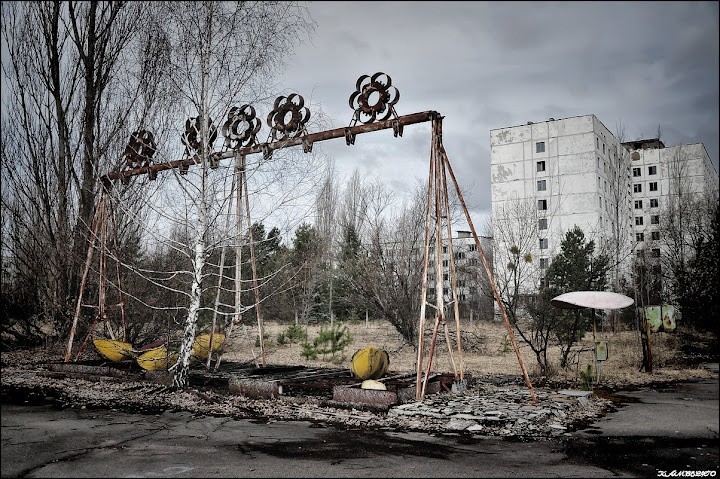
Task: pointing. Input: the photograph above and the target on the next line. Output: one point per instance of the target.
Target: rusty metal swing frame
(99, 230)
(287, 121)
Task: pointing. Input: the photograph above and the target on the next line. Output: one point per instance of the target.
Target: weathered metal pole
(453, 272)
(237, 313)
(256, 287)
(88, 260)
(121, 296)
(423, 294)
(491, 278)
(221, 274)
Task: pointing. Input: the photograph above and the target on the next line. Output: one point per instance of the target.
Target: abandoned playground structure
(373, 104)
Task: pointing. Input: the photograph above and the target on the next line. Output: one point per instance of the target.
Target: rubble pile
(484, 409)
(508, 410)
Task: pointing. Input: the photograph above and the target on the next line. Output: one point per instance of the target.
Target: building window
(655, 252)
(444, 249)
(653, 202)
(542, 223)
(459, 255)
(653, 186)
(542, 204)
(542, 185)
(638, 204)
(445, 276)
(446, 263)
(655, 219)
(637, 188)
(471, 247)
(543, 243)
(540, 166)
(652, 170)
(638, 221)
(655, 235)
(544, 262)
(639, 237)
(637, 172)
(540, 147)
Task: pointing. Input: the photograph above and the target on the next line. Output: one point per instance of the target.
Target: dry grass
(485, 352)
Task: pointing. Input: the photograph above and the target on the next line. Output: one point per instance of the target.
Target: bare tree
(220, 51)
(385, 275)
(616, 246)
(684, 224)
(515, 250)
(326, 205)
(65, 116)
(355, 203)
(364, 203)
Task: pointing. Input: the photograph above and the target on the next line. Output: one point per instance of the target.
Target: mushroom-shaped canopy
(592, 299)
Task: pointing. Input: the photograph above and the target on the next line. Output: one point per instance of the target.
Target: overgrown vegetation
(576, 268)
(504, 345)
(293, 334)
(587, 377)
(329, 341)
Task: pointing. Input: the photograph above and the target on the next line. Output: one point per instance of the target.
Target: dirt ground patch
(486, 352)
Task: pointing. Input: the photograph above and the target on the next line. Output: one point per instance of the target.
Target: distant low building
(474, 297)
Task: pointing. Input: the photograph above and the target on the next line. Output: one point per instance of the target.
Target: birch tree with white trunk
(223, 54)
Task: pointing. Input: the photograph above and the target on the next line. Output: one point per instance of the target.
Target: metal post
(491, 278)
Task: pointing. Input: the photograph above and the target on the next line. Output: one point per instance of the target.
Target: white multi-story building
(663, 174)
(550, 176)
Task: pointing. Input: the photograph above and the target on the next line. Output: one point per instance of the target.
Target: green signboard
(660, 318)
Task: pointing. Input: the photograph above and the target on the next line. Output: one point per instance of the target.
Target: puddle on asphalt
(338, 445)
(617, 398)
(644, 456)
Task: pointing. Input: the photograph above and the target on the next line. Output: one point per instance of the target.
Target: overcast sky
(487, 65)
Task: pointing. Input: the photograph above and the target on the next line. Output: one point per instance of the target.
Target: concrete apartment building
(660, 175)
(547, 177)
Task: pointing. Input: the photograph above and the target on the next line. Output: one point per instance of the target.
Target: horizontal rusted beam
(307, 140)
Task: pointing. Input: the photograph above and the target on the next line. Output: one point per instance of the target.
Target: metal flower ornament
(241, 127)
(192, 138)
(140, 149)
(139, 152)
(374, 98)
(288, 117)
